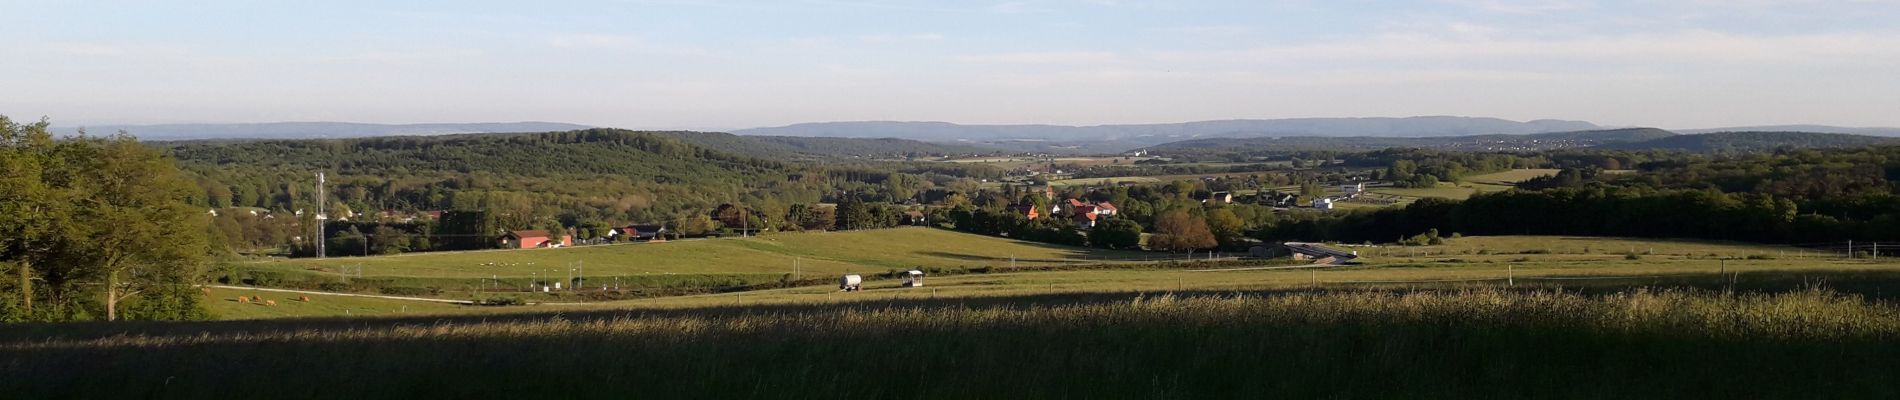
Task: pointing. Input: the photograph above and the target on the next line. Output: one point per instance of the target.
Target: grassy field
(1475, 184)
(223, 303)
(1509, 178)
(743, 259)
(1449, 343)
(1493, 261)
(1476, 317)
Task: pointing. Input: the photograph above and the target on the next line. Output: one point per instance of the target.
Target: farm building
(644, 231)
(1323, 203)
(1320, 254)
(1278, 199)
(532, 239)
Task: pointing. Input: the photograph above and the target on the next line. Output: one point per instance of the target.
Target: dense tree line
(594, 178)
(95, 227)
(1803, 196)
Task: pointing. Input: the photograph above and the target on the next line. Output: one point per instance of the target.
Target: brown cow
(305, 299)
(270, 302)
(244, 299)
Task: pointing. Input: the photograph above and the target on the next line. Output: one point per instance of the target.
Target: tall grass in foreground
(1361, 344)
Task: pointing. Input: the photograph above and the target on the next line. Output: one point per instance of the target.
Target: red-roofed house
(1104, 208)
(1026, 210)
(1085, 220)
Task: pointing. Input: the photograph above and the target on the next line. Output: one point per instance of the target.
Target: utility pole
(320, 217)
(1850, 249)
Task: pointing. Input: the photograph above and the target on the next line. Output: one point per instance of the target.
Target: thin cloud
(1044, 57)
(888, 38)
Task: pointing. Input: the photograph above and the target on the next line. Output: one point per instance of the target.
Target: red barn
(532, 239)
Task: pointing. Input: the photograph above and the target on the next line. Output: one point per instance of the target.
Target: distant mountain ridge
(1502, 142)
(1611, 139)
(1868, 131)
(314, 130)
(790, 147)
(1116, 138)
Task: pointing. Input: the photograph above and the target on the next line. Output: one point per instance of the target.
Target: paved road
(1263, 268)
(341, 294)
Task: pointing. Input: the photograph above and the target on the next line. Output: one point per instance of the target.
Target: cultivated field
(1438, 343)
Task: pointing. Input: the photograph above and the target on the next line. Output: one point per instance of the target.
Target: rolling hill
(315, 130)
(1752, 141)
(1539, 141)
(1869, 131)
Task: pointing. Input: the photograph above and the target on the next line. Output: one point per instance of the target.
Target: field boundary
(374, 296)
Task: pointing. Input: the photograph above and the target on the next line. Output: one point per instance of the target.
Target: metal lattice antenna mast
(320, 217)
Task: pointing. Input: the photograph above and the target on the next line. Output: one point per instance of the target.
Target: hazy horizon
(715, 65)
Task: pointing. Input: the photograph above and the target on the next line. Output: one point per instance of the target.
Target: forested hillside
(1803, 196)
(1753, 141)
(1241, 148)
(547, 180)
(798, 147)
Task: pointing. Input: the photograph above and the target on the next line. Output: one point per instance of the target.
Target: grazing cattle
(305, 299)
(244, 299)
(270, 302)
(206, 290)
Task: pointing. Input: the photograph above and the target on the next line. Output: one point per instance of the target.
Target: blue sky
(705, 64)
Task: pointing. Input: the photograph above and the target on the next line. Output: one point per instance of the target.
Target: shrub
(501, 301)
(1632, 256)
(336, 287)
(407, 291)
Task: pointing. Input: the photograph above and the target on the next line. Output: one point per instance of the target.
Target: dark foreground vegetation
(1449, 343)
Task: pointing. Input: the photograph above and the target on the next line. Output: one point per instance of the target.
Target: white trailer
(913, 278)
(851, 283)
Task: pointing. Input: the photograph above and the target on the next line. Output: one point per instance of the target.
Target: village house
(1105, 208)
(916, 218)
(1221, 197)
(644, 231)
(1278, 199)
(1323, 203)
(1353, 189)
(1025, 210)
(1085, 220)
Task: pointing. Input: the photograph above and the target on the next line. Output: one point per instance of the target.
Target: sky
(705, 64)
